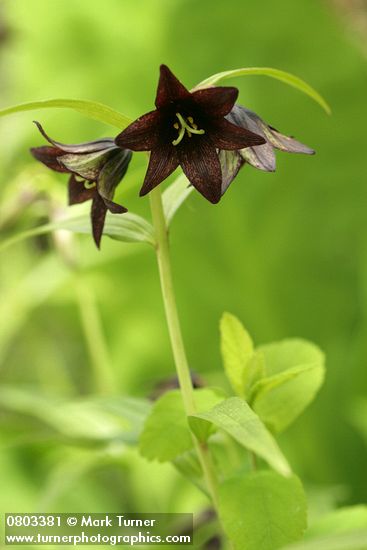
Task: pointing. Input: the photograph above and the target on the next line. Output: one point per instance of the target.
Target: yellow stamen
(186, 126)
(89, 184)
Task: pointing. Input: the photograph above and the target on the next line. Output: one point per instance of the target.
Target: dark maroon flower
(261, 157)
(187, 129)
(95, 168)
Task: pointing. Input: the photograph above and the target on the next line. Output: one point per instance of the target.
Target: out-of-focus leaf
(237, 349)
(128, 228)
(351, 518)
(294, 373)
(235, 417)
(263, 511)
(84, 419)
(90, 109)
(175, 195)
(356, 540)
(166, 433)
(283, 76)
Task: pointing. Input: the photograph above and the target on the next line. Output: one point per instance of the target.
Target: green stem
(94, 336)
(178, 349)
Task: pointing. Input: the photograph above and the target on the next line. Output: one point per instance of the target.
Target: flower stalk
(174, 329)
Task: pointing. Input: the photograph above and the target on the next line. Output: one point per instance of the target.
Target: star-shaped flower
(95, 168)
(187, 129)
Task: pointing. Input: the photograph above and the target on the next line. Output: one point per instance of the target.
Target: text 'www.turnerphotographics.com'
(96, 529)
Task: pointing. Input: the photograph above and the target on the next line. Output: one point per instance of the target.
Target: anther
(186, 126)
(89, 184)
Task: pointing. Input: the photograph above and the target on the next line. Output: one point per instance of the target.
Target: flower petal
(285, 143)
(78, 192)
(143, 134)
(86, 147)
(87, 165)
(231, 162)
(163, 161)
(216, 101)
(98, 217)
(49, 156)
(200, 163)
(226, 135)
(169, 88)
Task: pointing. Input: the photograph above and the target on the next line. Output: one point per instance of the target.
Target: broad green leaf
(263, 511)
(355, 540)
(128, 228)
(283, 76)
(235, 417)
(93, 419)
(90, 109)
(241, 367)
(294, 373)
(351, 518)
(166, 433)
(175, 195)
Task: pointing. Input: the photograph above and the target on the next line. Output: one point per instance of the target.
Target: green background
(285, 252)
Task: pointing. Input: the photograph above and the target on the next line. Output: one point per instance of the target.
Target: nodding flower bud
(96, 168)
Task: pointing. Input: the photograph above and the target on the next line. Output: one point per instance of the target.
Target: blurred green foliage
(286, 252)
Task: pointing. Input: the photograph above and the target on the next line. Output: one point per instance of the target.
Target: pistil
(185, 126)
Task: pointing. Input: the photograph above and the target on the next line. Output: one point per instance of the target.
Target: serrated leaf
(263, 511)
(175, 195)
(128, 228)
(166, 433)
(294, 373)
(235, 417)
(90, 419)
(90, 109)
(283, 76)
(241, 367)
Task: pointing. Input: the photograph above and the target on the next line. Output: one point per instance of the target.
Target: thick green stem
(178, 349)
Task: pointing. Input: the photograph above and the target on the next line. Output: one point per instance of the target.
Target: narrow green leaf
(295, 371)
(356, 540)
(94, 419)
(175, 195)
(262, 511)
(283, 76)
(90, 109)
(128, 228)
(241, 367)
(348, 519)
(166, 433)
(235, 417)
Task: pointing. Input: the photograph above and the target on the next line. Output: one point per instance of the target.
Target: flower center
(89, 184)
(184, 126)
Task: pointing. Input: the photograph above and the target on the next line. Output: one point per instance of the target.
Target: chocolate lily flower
(187, 129)
(95, 168)
(262, 156)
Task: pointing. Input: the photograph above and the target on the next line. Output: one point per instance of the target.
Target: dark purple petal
(231, 162)
(86, 147)
(114, 207)
(113, 172)
(143, 134)
(229, 136)
(49, 156)
(216, 101)
(163, 161)
(78, 192)
(169, 89)
(200, 163)
(98, 217)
